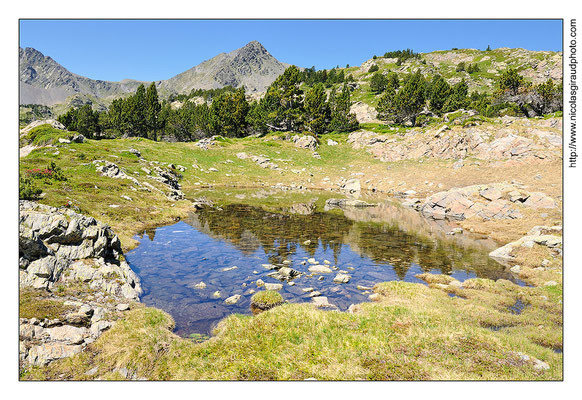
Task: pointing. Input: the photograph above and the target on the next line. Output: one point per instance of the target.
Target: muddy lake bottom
(171, 260)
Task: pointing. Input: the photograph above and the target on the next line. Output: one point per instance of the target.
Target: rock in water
(233, 299)
(341, 278)
(319, 269)
(273, 286)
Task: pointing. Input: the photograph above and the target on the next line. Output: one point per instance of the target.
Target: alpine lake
(232, 248)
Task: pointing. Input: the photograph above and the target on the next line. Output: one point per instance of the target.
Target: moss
(266, 299)
(36, 304)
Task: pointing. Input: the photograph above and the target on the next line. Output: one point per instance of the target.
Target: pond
(370, 245)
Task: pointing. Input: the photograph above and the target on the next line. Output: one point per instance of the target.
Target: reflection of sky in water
(180, 256)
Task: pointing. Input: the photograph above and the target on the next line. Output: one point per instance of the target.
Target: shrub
(27, 190)
(373, 68)
(53, 172)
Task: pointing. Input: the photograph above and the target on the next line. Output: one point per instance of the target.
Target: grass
(266, 299)
(44, 135)
(412, 332)
(93, 194)
(36, 304)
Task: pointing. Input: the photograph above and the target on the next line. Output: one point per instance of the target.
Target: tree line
(285, 107)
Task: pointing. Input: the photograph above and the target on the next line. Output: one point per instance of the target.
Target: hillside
(534, 66)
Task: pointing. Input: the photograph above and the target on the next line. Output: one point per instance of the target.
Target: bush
(52, 172)
(373, 68)
(27, 190)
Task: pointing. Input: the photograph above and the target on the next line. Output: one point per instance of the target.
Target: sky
(152, 50)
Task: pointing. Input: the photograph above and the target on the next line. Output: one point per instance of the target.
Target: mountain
(251, 66)
(44, 81)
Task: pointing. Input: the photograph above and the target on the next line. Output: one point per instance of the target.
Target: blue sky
(159, 49)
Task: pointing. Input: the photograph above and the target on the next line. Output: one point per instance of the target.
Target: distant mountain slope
(251, 66)
(44, 81)
(534, 66)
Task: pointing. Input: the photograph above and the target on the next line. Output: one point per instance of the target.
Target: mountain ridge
(44, 81)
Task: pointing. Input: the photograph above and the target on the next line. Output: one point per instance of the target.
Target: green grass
(412, 332)
(266, 299)
(45, 134)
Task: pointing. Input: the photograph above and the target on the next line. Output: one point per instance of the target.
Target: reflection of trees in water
(279, 234)
(388, 244)
(150, 232)
(249, 228)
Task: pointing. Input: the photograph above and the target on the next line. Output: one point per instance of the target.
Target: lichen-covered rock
(493, 201)
(61, 245)
(305, 142)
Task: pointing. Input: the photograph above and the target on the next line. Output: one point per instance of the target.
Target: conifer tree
(439, 92)
(316, 109)
(152, 111)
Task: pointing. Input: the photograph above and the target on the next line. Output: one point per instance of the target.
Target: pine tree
(342, 120)
(458, 98)
(406, 104)
(378, 83)
(283, 103)
(135, 109)
(152, 111)
(439, 92)
(393, 81)
(510, 81)
(228, 113)
(316, 109)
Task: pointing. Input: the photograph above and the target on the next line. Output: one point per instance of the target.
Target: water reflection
(171, 260)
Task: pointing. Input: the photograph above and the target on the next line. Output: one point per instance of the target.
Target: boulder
(352, 186)
(45, 353)
(68, 334)
(322, 302)
(305, 142)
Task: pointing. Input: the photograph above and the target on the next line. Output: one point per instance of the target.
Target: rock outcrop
(493, 201)
(59, 248)
(61, 245)
(526, 139)
(540, 235)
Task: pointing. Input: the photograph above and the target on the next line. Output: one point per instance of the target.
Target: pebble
(216, 294)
